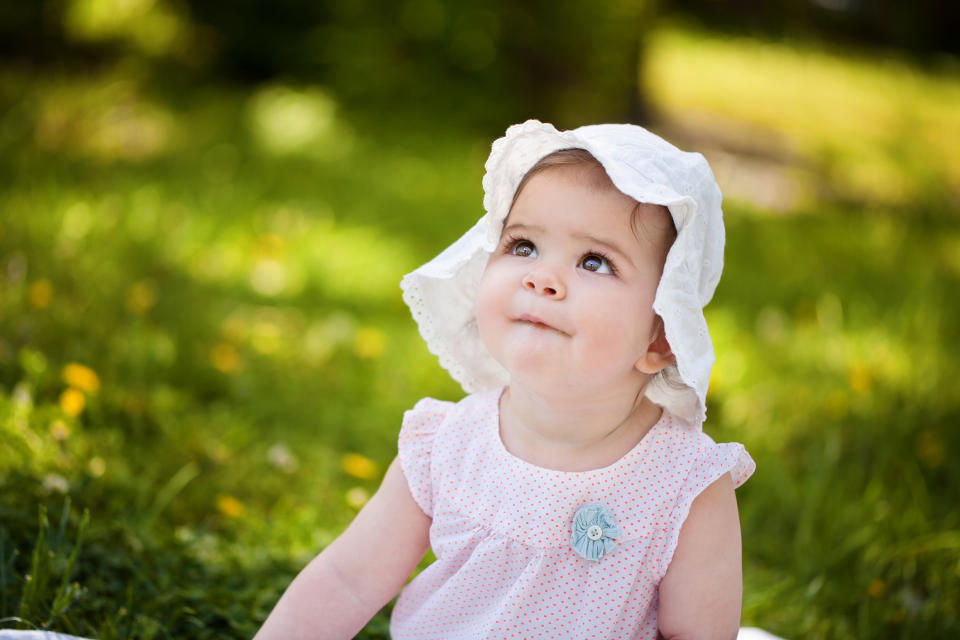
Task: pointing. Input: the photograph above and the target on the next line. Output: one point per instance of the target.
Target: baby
(572, 494)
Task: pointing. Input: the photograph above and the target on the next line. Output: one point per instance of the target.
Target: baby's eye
(596, 263)
(524, 249)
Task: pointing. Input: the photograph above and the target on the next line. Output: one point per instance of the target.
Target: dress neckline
(500, 450)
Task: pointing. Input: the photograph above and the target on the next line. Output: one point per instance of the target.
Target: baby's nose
(545, 282)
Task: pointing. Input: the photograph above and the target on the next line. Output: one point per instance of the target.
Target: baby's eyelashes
(516, 245)
(523, 248)
(598, 263)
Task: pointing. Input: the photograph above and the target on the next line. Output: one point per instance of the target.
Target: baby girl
(572, 492)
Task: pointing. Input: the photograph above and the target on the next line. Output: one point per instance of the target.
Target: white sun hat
(442, 293)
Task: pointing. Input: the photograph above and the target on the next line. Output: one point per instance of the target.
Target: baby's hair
(664, 232)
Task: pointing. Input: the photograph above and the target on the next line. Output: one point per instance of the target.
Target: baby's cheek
(623, 328)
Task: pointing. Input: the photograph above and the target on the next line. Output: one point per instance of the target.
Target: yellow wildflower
(369, 343)
(81, 377)
(876, 588)
(72, 402)
(358, 466)
(229, 506)
(97, 467)
(221, 453)
(141, 296)
(40, 294)
(357, 497)
(225, 358)
(59, 430)
(860, 378)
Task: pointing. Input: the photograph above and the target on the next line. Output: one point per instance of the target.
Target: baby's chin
(529, 360)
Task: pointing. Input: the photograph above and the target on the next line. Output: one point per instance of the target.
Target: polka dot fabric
(501, 527)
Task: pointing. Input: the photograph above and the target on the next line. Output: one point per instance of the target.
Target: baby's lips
(537, 320)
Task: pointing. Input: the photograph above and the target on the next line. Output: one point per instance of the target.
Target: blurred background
(206, 208)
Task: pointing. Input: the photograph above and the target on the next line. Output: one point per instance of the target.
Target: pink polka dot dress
(501, 530)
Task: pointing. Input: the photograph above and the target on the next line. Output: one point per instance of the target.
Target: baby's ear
(658, 355)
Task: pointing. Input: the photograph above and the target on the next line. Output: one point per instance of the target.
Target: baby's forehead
(644, 218)
(590, 177)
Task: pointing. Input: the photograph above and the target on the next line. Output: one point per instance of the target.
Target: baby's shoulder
(689, 454)
(433, 415)
(676, 448)
(427, 413)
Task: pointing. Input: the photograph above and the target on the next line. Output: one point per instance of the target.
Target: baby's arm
(700, 595)
(339, 591)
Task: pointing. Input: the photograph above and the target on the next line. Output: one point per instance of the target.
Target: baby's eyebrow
(607, 244)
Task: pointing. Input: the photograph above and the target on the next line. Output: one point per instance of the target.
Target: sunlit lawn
(202, 342)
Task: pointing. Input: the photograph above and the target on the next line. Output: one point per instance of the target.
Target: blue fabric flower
(593, 532)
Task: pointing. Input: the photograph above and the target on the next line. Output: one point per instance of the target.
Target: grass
(228, 287)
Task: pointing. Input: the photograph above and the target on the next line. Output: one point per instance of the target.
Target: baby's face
(566, 300)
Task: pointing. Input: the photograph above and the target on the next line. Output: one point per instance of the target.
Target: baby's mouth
(538, 323)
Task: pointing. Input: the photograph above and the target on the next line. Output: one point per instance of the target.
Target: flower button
(593, 532)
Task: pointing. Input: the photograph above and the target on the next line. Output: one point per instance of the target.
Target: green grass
(232, 285)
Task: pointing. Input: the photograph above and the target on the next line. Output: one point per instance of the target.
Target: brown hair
(591, 169)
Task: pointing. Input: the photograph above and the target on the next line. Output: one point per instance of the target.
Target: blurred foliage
(492, 61)
(922, 28)
(203, 346)
(478, 63)
(474, 62)
(862, 128)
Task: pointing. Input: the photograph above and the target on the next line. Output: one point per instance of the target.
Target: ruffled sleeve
(415, 445)
(712, 461)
